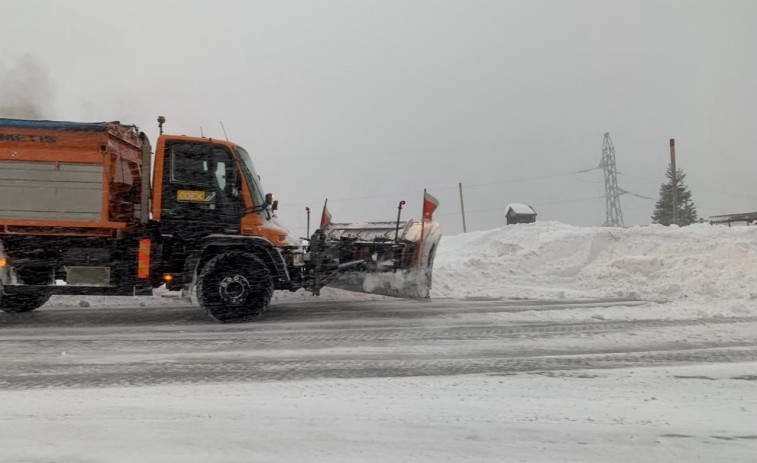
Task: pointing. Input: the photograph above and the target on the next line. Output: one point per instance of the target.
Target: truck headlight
(298, 260)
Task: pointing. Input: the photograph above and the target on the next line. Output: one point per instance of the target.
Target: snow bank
(549, 260)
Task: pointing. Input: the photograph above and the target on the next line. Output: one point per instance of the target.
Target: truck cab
(208, 202)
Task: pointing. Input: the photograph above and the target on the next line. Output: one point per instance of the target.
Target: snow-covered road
(379, 380)
(652, 415)
(89, 347)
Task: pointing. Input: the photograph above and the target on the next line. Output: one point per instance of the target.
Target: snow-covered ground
(552, 260)
(700, 412)
(681, 414)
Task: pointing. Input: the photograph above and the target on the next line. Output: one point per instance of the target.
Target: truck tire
(235, 287)
(20, 303)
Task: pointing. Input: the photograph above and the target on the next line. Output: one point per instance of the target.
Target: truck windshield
(258, 197)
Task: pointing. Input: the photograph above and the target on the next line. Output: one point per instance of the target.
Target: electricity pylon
(614, 216)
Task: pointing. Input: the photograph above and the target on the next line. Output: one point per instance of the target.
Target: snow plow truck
(90, 209)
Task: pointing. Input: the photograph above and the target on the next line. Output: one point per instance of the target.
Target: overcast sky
(369, 102)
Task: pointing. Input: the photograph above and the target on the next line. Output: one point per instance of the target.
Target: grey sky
(369, 102)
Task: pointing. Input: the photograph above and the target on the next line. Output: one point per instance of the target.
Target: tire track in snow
(260, 336)
(141, 374)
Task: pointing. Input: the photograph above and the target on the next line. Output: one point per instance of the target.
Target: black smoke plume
(25, 90)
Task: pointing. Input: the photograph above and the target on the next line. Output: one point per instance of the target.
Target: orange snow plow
(80, 216)
(389, 258)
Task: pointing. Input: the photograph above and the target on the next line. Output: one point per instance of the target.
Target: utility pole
(614, 215)
(674, 179)
(462, 206)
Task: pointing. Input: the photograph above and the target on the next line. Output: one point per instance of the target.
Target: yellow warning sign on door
(190, 195)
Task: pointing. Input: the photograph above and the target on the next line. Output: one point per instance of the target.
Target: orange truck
(80, 215)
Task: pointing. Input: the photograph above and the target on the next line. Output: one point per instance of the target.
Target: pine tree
(663, 211)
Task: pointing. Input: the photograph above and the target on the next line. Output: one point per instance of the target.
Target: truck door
(200, 190)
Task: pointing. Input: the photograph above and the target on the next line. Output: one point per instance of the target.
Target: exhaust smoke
(25, 90)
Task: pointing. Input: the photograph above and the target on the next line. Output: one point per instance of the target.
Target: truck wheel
(235, 287)
(19, 303)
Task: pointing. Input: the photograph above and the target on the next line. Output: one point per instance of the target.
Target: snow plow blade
(377, 257)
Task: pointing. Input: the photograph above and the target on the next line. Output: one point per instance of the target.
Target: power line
(624, 192)
(569, 201)
(537, 204)
(638, 177)
(436, 188)
(450, 148)
(526, 179)
(699, 188)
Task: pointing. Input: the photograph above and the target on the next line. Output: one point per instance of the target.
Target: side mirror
(270, 202)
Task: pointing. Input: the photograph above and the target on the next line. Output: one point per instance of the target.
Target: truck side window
(220, 174)
(201, 166)
(190, 169)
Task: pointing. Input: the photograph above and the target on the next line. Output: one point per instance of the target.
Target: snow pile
(550, 260)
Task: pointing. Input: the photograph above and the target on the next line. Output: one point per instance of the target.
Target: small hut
(520, 213)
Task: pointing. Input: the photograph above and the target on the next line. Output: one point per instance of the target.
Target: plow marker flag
(429, 205)
(325, 216)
